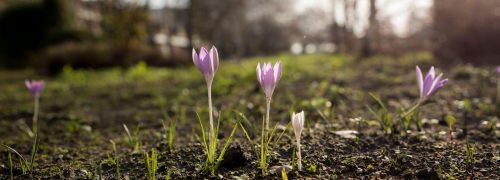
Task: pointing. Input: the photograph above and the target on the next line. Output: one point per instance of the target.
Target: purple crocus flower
(207, 62)
(430, 85)
(35, 86)
(269, 77)
(498, 70)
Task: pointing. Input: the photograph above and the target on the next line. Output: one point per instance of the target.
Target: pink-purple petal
(259, 73)
(35, 87)
(268, 75)
(277, 71)
(434, 83)
(196, 58)
(214, 57)
(420, 80)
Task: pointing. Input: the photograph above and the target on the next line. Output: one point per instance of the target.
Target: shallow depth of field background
(46, 35)
(112, 62)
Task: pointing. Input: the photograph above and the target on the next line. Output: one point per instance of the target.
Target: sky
(397, 12)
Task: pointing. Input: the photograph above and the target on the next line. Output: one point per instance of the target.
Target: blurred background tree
(28, 26)
(467, 31)
(50, 34)
(125, 23)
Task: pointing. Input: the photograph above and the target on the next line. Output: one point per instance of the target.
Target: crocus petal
(434, 83)
(429, 79)
(298, 123)
(430, 85)
(214, 58)
(259, 74)
(269, 80)
(268, 76)
(277, 72)
(432, 72)
(203, 53)
(420, 81)
(28, 84)
(438, 86)
(206, 65)
(35, 87)
(196, 58)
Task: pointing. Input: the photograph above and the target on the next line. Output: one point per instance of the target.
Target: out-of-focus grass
(329, 87)
(79, 90)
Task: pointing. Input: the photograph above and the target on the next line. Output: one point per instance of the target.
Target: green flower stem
(211, 136)
(268, 109)
(299, 156)
(35, 115)
(411, 110)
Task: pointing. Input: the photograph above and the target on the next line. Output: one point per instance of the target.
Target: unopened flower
(269, 77)
(207, 62)
(35, 86)
(298, 124)
(430, 85)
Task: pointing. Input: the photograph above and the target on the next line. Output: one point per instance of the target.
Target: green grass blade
(272, 134)
(252, 143)
(213, 146)
(17, 153)
(169, 174)
(263, 149)
(283, 174)
(148, 166)
(34, 150)
(171, 134)
(378, 101)
(204, 136)
(282, 133)
(226, 145)
(127, 132)
(247, 122)
(374, 113)
(11, 166)
(154, 163)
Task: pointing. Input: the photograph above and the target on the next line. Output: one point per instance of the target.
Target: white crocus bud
(298, 124)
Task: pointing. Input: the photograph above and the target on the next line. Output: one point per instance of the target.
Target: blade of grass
(283, 174)
(171, 134)
(203, 135)
(34, 150)
(17, 153)
(128, 133)
(378, 101)
(148, 166)
(263, 152)
(322, 115)
(272, 134)
(373, 112)
(246, 121)
(11, 166)
(252, 143)
(226, 145)
(282, 133)
(154, 163)
(215, 139)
